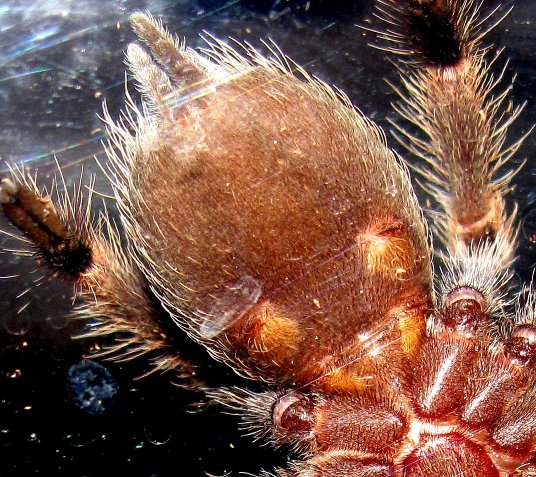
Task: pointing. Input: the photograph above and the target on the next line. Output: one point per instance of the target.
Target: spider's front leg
(106, 279)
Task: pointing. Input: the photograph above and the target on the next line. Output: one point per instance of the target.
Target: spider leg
(450, 95)
(114, 297)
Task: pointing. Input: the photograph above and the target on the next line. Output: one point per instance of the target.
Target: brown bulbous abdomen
(264, 230)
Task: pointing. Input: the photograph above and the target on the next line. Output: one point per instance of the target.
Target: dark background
(58, 62)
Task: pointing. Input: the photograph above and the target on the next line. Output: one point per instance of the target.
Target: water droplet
(57, 322)
(157, 437)
(17, 324)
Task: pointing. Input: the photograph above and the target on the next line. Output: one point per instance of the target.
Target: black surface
(58, 62)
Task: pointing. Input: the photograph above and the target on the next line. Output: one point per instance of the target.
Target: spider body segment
(269, 220)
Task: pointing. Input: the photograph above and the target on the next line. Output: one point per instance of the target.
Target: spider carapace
(267, 218)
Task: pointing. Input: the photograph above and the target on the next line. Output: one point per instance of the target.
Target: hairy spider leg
(111, 292)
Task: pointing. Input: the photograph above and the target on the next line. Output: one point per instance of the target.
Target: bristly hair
(428, 33)
(255, 411)
(526, 306)
(115, 301)
(486, 268)
(60, 230)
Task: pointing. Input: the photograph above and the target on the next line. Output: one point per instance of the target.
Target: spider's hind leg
(450, 95)
(112, 291)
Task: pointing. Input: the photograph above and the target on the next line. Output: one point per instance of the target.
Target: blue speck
(91, 387)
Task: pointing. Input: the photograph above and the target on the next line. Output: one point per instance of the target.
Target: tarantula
(266, 217)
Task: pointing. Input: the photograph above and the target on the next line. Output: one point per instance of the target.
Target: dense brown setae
(268, 219)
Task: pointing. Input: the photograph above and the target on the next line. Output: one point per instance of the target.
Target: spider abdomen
(264, 238)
